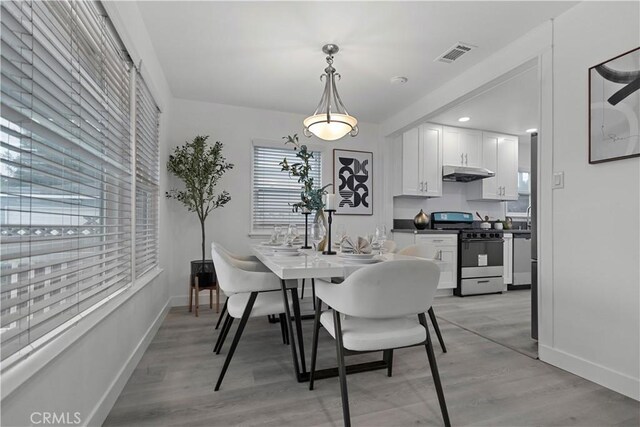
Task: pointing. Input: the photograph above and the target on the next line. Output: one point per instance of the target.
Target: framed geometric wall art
(614, 108)
(353, 182)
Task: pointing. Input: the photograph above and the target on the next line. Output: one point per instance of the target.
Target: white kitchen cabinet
(508, 167)
(403, 239)
(411, 164)
(462, 147)
(499, 155)
(444, 248)
(420, 171)
(508, 258)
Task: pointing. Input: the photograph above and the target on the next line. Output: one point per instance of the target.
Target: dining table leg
(301, 375)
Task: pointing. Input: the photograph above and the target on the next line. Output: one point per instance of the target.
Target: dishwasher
(521, 261)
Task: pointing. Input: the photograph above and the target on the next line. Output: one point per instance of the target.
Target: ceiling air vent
(454, 52)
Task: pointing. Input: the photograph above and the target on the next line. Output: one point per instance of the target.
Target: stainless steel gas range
(480, 253)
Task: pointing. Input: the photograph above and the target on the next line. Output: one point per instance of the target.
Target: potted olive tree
(200, 166)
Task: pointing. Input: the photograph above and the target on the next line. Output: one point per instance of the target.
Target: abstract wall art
(614, 108)
(353, 182)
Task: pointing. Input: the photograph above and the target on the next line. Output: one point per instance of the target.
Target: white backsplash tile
(454, 199)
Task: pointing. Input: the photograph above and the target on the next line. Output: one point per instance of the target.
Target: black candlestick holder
(306, 230)
(329, 221)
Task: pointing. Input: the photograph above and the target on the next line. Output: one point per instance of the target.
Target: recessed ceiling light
(464, 119)
(532, 130)
(399, 80)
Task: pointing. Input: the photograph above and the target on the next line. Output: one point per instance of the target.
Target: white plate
(286, 249)
(357, 256)
(362, 261)
(286, 253)
(270, 244)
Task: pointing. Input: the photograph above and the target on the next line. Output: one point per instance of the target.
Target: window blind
(147, 130)
(274, 191)
(65, 173)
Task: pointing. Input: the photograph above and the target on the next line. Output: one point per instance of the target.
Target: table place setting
(284, 243)
(360, 252)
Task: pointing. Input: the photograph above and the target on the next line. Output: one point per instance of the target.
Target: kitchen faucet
(529, 217)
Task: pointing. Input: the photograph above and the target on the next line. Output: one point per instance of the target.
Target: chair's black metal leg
(434, 321)
(236, 338)
(342, 370)
(292, 340)
(225, 332)
(302, 292)
(222, 313)
(434, 372)
(227, 320)
(314, 345)
(313, 291)
(296, 313)
(388, 359)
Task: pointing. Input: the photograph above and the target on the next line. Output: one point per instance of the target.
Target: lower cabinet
(443, 247)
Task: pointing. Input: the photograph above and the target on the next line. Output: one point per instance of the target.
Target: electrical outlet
(558, 180)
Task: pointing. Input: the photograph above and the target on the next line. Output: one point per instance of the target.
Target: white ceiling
(268, 54)
(511, 107)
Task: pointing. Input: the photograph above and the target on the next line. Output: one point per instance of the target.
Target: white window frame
(61, 337)
(269, 143)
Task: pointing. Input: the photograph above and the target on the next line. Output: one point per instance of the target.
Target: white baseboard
(183, 300)
(444, 293)
(105, 404)
(599, 374)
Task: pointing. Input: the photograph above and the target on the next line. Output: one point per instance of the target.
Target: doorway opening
(510, 106)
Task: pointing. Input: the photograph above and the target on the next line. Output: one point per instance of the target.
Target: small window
(274, 191)
(519, 207)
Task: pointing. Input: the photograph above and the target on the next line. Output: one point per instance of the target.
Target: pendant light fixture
(331, 120)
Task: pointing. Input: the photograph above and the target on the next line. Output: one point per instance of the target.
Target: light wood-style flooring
(485, 383)
(503, 318)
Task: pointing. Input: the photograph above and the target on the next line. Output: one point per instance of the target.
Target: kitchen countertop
(430, 231)
(425, 231)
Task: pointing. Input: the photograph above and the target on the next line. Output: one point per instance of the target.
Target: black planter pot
(206, 275)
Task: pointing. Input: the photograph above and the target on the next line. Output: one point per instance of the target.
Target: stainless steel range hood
(465, 173)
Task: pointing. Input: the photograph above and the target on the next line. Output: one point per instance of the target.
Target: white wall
(588, 272)
(85, 368)
(236, 127)
(596, 227)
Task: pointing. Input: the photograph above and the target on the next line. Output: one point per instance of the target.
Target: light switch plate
(558, 180)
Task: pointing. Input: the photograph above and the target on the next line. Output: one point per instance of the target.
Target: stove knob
(475, 235)
(492, 235)
(483, 235)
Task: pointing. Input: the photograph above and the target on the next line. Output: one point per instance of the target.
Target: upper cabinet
(418, 170)
(420, 153)
(462, 147)
(500, 155)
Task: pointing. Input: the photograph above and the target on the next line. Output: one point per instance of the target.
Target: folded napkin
(362, 245)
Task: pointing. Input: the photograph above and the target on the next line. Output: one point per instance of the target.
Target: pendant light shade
(331, 120)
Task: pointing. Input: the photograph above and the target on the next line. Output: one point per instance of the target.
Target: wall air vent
(454, 52)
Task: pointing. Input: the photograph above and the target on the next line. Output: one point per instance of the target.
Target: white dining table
(305, 266)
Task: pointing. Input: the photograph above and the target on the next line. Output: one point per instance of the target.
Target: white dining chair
(423, 251)
(250, 294)
(389, 246)
(245, 262)
(379, 308)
